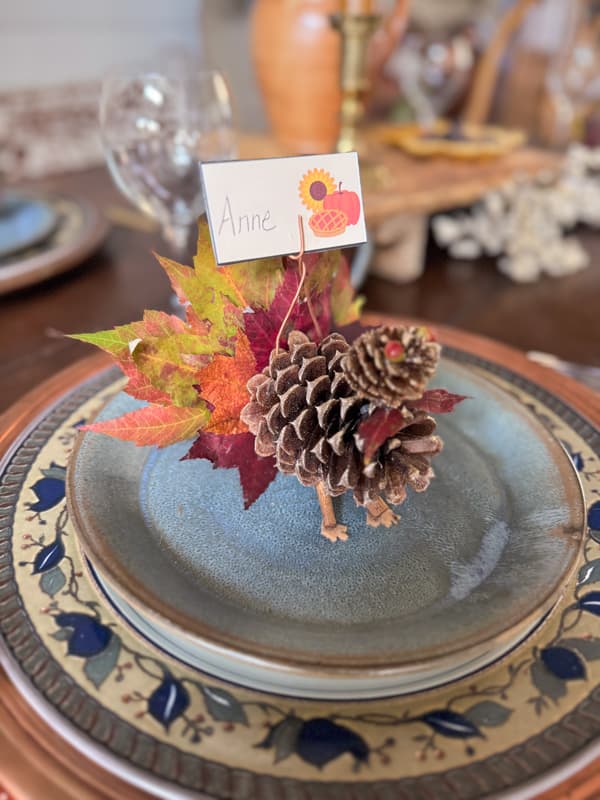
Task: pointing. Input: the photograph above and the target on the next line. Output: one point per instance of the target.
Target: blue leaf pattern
(451, 723)
(594, 516)
(321, 740)
(49, 556)
(563, 663)
(169, 701)
(590, 602)
(49, 492)
(88, 637)
(577, 461)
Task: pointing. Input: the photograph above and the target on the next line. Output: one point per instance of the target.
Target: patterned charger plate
(80, 229)
(175, 729)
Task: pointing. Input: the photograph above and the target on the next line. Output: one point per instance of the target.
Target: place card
(253, 206)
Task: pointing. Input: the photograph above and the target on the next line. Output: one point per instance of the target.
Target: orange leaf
(140, 386)
(223, 385)
(154, 425)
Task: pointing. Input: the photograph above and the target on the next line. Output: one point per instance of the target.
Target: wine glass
(433, 70)
(156, 130)
(573, 79)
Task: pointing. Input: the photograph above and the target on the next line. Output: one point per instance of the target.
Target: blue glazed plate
(472, 566)
(24, 222)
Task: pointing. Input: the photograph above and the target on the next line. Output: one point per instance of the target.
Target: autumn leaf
(263, 325)
(178, 274)
(123, 343)
(154, 425)
(345, 306)
(236, 450)
(140, 387)
(256, 281)
(162, 361)
(117, 340)
(158, 323)
(437, 401)
(321, 269)
(379, 426)
(194, 371)
(223, 385)
(114, 341)
(215, 301)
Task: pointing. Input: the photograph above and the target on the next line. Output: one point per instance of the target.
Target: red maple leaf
(437, 401)
(236, 450)
(379, 426)
(262, 325)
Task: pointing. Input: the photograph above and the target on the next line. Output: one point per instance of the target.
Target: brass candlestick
(355, 30)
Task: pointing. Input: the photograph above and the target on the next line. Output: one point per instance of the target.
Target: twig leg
(379, 513)
(329, 526)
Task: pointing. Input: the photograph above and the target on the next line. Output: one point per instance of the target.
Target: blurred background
(53, 58)
(476, 122)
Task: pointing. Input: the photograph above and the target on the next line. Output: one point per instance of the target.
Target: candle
(357, 7)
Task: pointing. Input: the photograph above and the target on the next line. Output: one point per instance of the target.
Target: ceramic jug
(296, 54)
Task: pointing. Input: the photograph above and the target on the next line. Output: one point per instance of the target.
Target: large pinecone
(304, 411)
(391, 364)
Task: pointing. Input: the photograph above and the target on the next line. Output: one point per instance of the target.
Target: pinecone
(390, 365)
(304, 411)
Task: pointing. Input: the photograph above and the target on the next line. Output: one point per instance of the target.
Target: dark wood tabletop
(559, 316)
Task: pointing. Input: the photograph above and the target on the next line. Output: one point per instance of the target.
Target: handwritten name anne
(244, 223)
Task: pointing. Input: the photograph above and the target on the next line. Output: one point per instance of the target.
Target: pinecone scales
(390, 364)
(305, 412)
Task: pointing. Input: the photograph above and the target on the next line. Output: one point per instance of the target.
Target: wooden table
(121, 280)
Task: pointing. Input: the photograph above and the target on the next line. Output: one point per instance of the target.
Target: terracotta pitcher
(297, 59)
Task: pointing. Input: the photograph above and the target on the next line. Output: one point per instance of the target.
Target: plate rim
(42, 233)
(243, 650)
(40, 267)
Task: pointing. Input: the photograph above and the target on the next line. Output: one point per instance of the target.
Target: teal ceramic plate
(472, 565)
(24, 222)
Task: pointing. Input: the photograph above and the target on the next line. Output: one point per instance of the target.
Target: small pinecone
(304, 412)
(391, 364)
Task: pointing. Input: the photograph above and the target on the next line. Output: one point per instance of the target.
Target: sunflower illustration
(315, 185)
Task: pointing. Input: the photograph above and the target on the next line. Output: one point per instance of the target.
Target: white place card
(253, 206)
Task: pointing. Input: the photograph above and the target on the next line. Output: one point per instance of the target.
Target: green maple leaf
(256, 281)
(345, 306)
(113, 341)
(324, 271)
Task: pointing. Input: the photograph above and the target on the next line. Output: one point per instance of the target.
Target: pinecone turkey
(307, 405)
